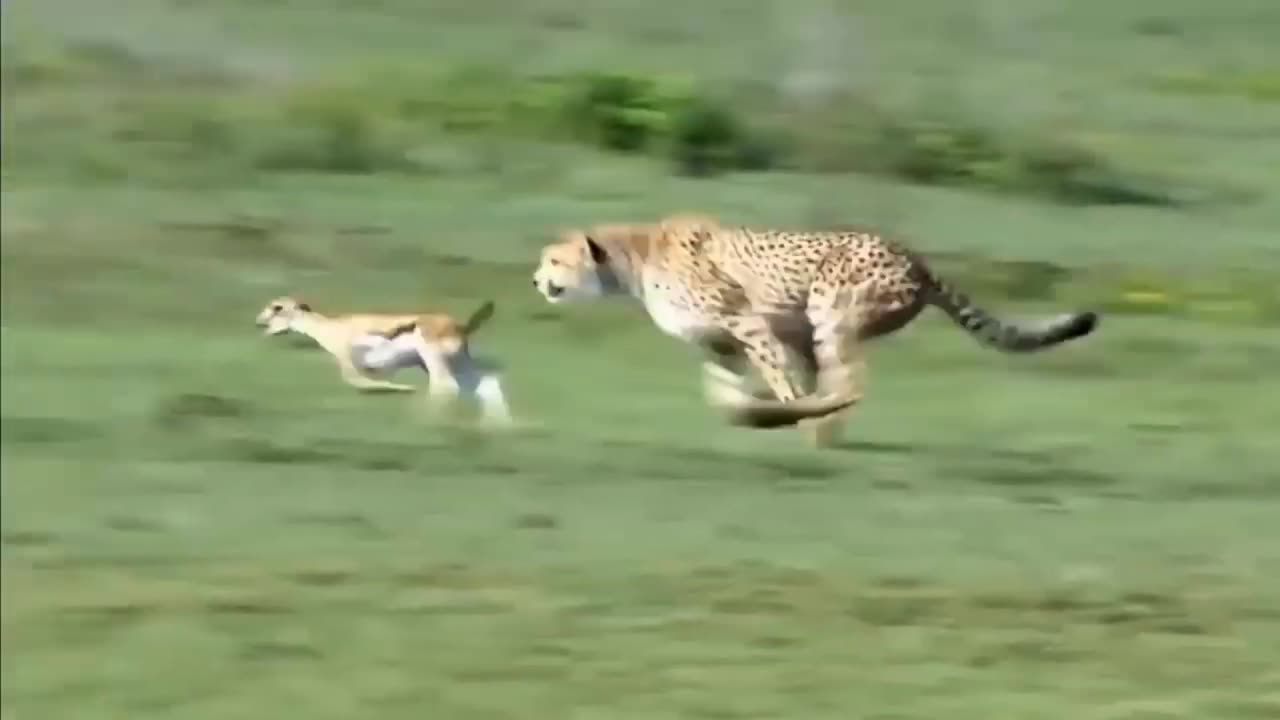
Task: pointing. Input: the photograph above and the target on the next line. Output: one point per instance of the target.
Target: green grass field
(200, 522)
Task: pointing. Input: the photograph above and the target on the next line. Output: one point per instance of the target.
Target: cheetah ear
(598, 254)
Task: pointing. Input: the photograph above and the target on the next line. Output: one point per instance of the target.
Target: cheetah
(787, 302)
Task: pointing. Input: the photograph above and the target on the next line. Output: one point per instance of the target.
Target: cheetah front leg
(766, 352)
(724, 372)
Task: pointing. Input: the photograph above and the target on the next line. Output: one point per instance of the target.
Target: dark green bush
(344, 128)
(935, 153)
(373, 119)
(1070, 174)
(615, 112)
(953, 152)
(705, 139)
(624, 113)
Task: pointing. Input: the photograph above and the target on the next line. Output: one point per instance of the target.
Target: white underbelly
(374, 352)
(673, 319)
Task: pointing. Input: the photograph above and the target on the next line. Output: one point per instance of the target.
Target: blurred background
(201, 522)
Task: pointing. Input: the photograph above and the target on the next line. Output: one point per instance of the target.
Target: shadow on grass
(22, 430)
(762, 590)
(877, 447)
(210, 428)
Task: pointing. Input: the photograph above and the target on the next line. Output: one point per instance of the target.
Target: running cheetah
(787, 301)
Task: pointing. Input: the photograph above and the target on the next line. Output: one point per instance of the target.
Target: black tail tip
(1080, 325)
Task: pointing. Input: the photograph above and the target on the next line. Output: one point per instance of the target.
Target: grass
(201, 522)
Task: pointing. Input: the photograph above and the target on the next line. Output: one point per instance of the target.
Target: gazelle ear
(598, 254)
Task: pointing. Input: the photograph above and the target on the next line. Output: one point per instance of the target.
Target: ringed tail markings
(1004, 336)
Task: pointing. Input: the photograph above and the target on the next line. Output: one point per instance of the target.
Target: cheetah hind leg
(840, 359)
(845, 379)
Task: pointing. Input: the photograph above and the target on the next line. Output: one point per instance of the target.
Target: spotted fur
(789, 302)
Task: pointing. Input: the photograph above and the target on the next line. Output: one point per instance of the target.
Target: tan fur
(440, 335)
(786, 301)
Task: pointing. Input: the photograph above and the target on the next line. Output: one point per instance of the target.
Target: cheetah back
(778, 268)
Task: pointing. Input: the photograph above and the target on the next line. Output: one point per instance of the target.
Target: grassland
(201, 523)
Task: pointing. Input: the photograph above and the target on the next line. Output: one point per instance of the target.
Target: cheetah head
(571, 269)
(278, 316)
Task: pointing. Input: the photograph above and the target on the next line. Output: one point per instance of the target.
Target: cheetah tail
(1004, 336)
